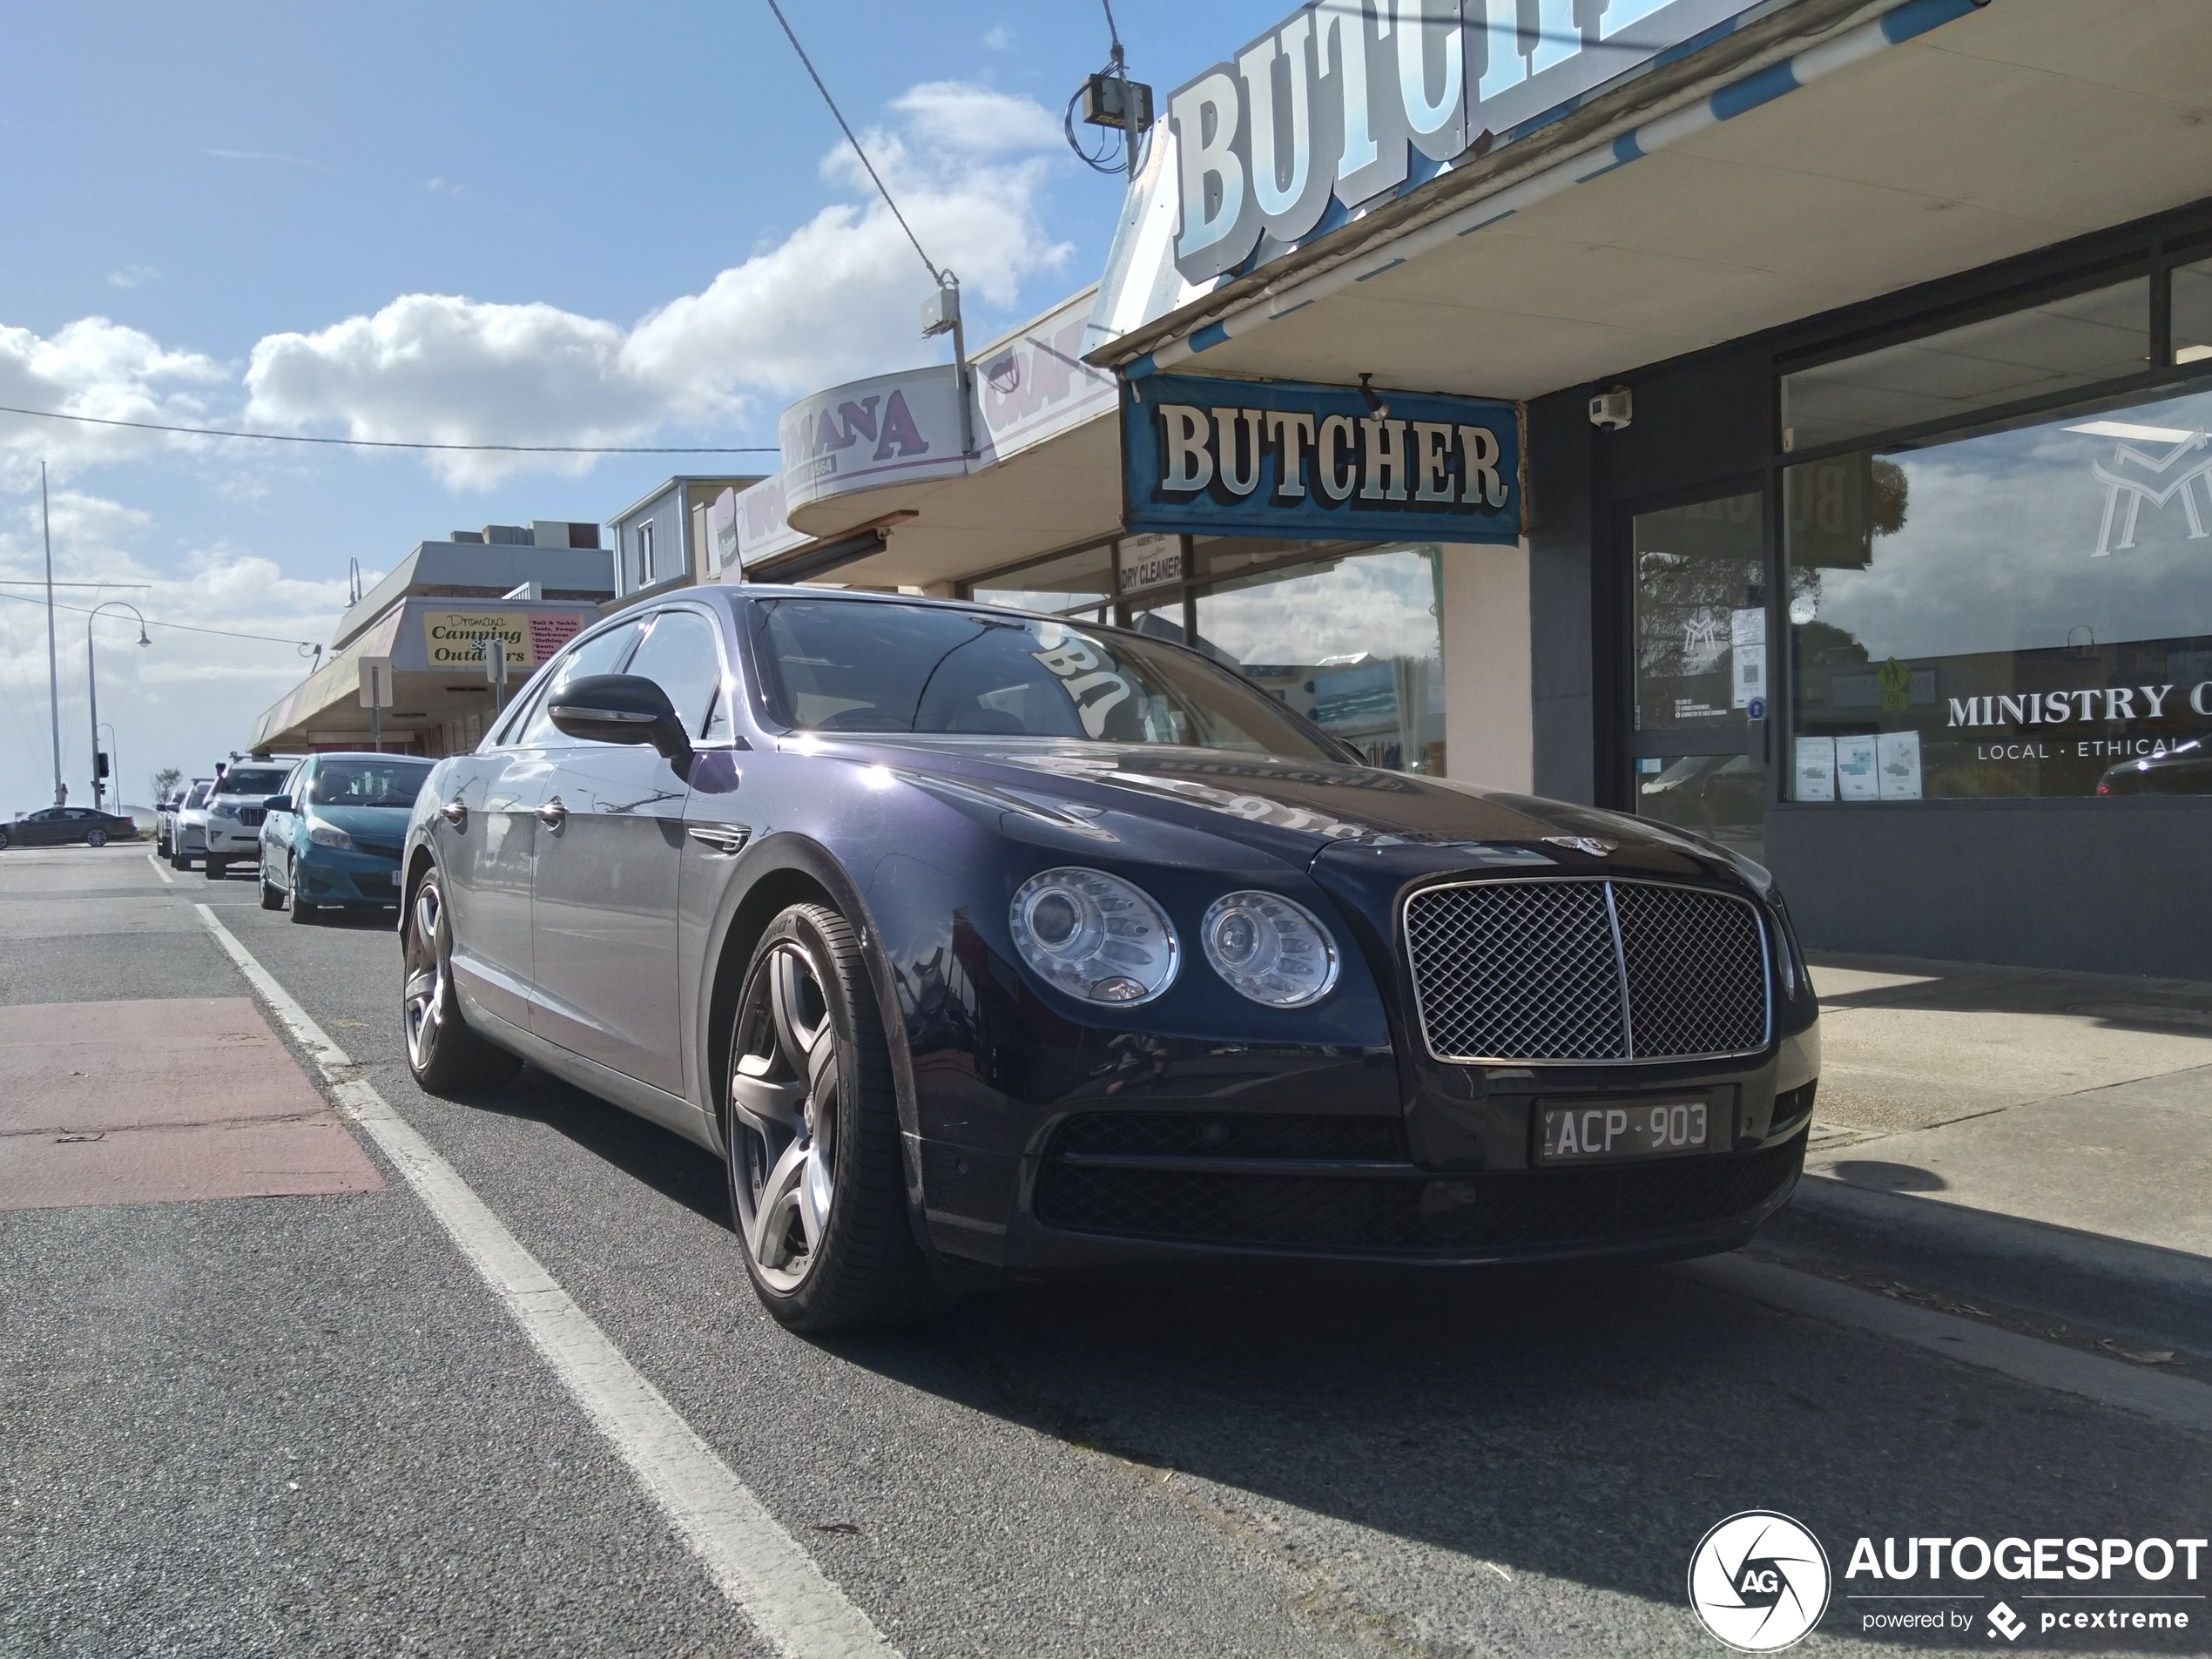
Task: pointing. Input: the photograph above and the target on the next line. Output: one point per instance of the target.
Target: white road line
(755, 1561)
(2176, 1401)
(158, 871)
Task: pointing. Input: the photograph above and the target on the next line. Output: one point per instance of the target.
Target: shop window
(2024, 612)
(2192, 313)
(1351, 642)
(2080, 341)
(1079, 584)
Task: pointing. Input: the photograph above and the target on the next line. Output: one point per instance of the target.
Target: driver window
(681, 657)
(601, 654)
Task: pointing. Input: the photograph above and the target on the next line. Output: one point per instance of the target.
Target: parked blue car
(333, 839)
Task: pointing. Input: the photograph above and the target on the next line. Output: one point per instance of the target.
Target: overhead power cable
(390, 443)
(185, 627)
(883, 189)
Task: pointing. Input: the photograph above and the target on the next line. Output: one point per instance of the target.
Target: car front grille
(1593, 971)
(381, 849)
(250, 817)
(1406, 1211)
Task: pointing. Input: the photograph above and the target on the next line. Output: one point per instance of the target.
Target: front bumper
(233, 840)
(328, 875)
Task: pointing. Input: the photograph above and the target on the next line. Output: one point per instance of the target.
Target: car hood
(379, 823)
(1300, 810)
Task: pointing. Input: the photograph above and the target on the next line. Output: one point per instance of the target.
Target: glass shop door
(1702, 673)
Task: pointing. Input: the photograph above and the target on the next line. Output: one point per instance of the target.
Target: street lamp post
(93, 681)
(115, 763)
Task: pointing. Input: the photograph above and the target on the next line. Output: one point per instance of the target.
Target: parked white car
(234, 814)
(188, 832)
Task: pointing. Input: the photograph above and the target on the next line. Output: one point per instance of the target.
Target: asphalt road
(305, 1425)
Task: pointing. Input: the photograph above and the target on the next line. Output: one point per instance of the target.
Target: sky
(470, 221)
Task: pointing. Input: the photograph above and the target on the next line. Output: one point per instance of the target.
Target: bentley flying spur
(983, 946)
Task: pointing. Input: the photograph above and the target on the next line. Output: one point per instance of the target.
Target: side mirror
(277, 804)
(620, 708)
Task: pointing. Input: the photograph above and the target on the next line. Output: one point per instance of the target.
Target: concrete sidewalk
(2048, 1132)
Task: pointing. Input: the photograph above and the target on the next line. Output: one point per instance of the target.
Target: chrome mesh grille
(1539, 970)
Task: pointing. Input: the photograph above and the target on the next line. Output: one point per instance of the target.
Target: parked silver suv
(234, 813)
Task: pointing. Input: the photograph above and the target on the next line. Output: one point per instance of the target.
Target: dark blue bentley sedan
(980, 945)
(332, 840)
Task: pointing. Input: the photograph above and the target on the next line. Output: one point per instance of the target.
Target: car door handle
(456, 812)
(553, 814)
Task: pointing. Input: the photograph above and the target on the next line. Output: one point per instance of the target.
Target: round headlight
(1095, 937)
(1270, 949)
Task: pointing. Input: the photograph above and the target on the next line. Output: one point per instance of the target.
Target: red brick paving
(154, 1102)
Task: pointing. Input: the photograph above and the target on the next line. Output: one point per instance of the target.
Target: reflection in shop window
(1078, 584)
(2025, 612)
(1351, 642)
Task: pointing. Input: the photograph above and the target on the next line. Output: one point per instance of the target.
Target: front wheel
(445, 1056)
(812, 1135)
(216, 869)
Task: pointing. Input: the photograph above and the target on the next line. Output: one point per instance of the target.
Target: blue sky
(543, 223)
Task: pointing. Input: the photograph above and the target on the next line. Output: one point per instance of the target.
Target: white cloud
(133, 276)
(998, 37)
(836, 298)
(93, 367)
(262, 155)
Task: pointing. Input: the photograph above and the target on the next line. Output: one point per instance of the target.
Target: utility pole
(53, 656)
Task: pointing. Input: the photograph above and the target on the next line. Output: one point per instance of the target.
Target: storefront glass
(2021, 612)
(1079, 584)
(1351, 641)
(1700, 621)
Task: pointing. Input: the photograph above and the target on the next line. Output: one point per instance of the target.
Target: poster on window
(1856, 778)
(1816, 769)
(1898, 761)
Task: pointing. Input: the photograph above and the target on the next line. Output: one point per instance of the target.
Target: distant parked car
(234, 813)
(65, 825)
(2185, 769)
(189, 840)
(164, 831)
(331, 839)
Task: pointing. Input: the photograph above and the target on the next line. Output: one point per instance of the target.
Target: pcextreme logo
(1759, 1581)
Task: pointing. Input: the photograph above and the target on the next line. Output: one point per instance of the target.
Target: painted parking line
(2180, 1401)
(167, 878)
(751, 1559)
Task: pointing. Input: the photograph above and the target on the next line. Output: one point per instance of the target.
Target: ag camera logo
(1759, 1581)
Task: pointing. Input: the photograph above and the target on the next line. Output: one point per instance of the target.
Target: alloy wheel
(784, 1111)
(422, 1001)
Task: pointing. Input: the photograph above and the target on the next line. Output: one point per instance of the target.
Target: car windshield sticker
(1080, 666)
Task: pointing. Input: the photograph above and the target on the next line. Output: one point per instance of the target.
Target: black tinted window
(838, 665)
(251, 780)
(679, 656)
(367, 783)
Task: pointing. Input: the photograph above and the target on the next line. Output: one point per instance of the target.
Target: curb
(2113, 1285)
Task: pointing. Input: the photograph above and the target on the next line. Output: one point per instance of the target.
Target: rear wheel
(216, 869)
(813, 1158)
(271, 894)
(301, 910)
(180, 860)
(97, 837)
(445, 1056)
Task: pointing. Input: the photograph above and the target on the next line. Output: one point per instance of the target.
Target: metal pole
(53, 656)
(92, 697)
(376, 710)
(959, 360)
(115, 766)
(1129, 130)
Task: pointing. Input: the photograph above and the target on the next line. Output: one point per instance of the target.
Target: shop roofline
(1676, 98)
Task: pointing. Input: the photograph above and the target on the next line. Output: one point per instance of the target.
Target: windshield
(838, 666)
(251, 780)
(367, 783)
(199, 796)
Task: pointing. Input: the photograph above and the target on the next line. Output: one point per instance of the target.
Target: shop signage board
(457, 638)
(893, 429)
(1347, 100)
(1036, 386)
(1327, 463)
(1143, 562)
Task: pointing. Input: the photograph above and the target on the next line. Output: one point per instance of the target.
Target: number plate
(1623, 1131)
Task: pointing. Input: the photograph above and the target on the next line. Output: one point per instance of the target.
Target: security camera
(1613, 409)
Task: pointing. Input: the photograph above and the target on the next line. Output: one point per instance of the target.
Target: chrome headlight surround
(1271, 949)
(1095, 937)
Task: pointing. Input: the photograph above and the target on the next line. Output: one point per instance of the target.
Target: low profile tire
(815, 1182)
(217, 869)
(97, 837)
(445, 1056)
